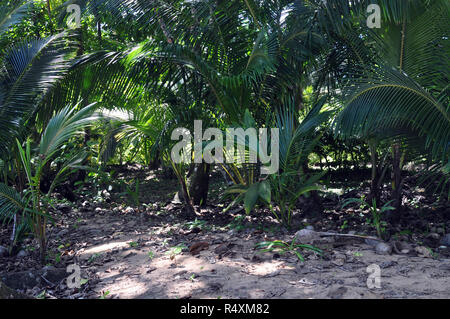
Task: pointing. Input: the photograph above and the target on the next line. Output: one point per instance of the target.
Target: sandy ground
(138, 266)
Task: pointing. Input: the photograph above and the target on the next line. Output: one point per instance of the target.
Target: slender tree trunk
(199, 185)
(187, 198)
(49, 11)
(154, 163)
(99, 32)
(396, 194)
(396, 177)
(374, 189)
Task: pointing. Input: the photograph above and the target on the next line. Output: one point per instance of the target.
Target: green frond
(63, 126)
(10, 203)
(29, 70)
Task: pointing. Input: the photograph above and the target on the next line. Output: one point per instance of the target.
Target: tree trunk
(187, 199)
(397, 182)
(374, 185)
(154, 163)
(198, 188)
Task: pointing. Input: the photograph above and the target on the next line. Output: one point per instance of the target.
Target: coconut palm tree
(399, 89)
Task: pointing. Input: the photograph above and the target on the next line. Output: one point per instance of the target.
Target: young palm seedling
(33, 204)
(376, 212)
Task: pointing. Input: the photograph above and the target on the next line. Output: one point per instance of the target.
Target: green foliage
(284, 247)
(237, 223)
(176, 250)
(197, 223)
(33, 203)
(134, 193)
(376, 212)
(250, 195)
(230, 63)
(133, 244)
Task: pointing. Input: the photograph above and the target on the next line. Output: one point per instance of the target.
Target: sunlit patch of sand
(104, 248)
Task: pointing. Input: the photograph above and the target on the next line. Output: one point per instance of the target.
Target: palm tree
(227, 56)
(399, 89)
(29, 70)
(33, 204)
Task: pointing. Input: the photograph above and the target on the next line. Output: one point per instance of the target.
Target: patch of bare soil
(135, 255)
(152, 251)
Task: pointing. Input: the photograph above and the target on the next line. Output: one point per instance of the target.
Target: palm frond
(64, 126)
(12, 15)
(10, 203)
(30, 69)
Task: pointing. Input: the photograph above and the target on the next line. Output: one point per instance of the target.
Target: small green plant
(283, 247)
(237, 223)
(151, 254)
(84, 281)
(41, 295)
(196, 224)
(176, 250)
(376, 213)
(33, 204)
(93, 257)
(133, 244)
(104, 294)
(165, 242)
(134, 193)
(77, 223)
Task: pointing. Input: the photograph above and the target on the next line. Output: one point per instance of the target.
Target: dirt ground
(238, 272)
(149, 252)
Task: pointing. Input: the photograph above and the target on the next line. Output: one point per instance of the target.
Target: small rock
(434, 236)
(22, 254)
(310, 227)
(446, 240)
(424, 251)
(338, 259)
(306, 236)
(129, 210)
(106, 194)
(383, 249)
(372, 242)
(402, 247)
(3, 251)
